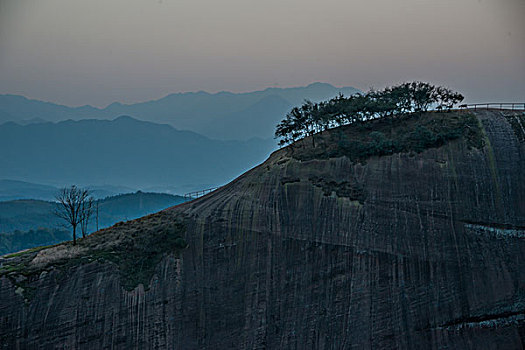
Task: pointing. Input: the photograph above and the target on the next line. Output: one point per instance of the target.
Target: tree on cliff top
(74, 206)
(393, 101)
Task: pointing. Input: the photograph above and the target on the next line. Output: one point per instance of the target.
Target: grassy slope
(134, 247)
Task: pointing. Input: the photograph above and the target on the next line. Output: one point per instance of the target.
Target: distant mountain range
(123, 151)
(13, 189)
(223, 115)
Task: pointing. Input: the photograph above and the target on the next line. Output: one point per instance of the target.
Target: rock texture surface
(415, 251)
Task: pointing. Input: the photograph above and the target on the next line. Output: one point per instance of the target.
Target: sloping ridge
(409, 250)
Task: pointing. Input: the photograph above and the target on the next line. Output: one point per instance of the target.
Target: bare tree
(71, 202)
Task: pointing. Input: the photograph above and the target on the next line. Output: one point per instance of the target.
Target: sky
(78, 52)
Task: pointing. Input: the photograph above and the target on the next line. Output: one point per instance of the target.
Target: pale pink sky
(95, 52)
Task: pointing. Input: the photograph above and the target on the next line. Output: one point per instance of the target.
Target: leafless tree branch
(74, 206)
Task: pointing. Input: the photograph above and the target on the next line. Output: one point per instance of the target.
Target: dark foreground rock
(411, 250)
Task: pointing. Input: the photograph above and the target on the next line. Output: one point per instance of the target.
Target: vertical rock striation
(407, 251)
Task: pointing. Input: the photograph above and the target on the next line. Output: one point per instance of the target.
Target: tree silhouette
(311, 118)
(71, 206)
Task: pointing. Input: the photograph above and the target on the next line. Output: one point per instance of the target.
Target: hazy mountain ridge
(259, 119)
(19, 108)
(195, 111)
(14, 189)
(123, 151)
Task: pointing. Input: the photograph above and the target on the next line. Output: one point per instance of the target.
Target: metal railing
(197, 194)
(509, 106)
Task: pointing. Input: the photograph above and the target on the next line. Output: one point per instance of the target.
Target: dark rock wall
(431, 255)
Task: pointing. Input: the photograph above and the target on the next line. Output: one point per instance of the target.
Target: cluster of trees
(393, 101)
(75, 206)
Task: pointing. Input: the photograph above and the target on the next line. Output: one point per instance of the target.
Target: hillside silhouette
(238, 116)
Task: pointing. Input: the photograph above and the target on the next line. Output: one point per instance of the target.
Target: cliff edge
(404, 234)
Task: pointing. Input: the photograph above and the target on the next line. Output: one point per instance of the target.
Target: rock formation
(416, 250)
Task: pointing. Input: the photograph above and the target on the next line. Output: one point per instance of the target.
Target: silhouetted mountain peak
(114, 105)
(192, 111)
(319, 84)
(126, 119)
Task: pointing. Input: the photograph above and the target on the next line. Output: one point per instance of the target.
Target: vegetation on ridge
(75, 206)
(410, 134)
(134, 247)
(378, 123)
(391, 102)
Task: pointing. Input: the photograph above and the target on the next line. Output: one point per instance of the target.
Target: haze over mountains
(179, 143)
(223, 115)
(123, 151)
(13, 189)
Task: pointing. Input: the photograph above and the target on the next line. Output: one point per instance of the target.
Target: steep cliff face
(408, 250)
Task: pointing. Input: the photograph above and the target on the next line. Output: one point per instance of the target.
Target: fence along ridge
(197, 194)
(494, 105)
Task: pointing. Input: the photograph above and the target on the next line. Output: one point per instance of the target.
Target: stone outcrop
(410, 250)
